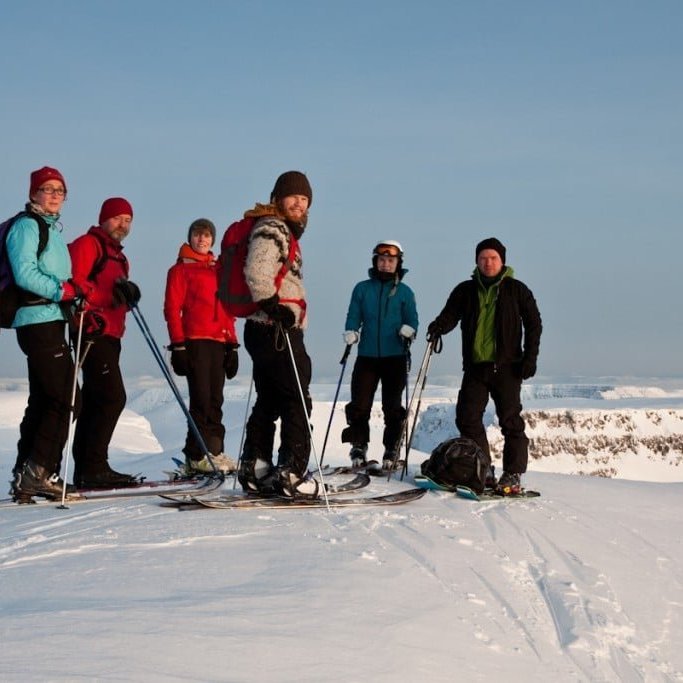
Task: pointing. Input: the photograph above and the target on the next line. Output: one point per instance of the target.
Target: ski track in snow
(585, 613)
(535, 595)
(581, 584)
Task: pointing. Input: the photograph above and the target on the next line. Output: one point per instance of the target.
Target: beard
(295, 216)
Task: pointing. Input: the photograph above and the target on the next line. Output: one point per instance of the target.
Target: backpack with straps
(458, 462)
(233, 290)
(11, 296)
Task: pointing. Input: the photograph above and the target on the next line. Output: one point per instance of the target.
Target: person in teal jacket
(382, 318)
(44, 281)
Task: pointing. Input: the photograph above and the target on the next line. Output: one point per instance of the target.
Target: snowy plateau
(584, 583)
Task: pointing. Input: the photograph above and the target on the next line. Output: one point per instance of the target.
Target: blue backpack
(11, 295)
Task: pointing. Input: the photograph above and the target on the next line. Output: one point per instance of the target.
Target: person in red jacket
(203, 344)
(100, 271)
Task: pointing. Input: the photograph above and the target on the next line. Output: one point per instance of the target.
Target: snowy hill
(582, 584)
(644, 444)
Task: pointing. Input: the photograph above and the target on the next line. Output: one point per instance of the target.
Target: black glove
(231, 362)
(434, 330)
(278, 312)
(179, 360)
(527, 368)
(126, 292)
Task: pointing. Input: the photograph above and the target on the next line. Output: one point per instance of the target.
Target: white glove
(350, 337)
(407, 332)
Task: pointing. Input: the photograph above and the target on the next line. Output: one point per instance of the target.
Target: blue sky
(555, 127)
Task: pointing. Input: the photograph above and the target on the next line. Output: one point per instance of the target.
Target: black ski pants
(504, 385)
(367, 374)
(277, 396)
(104, 398)
(205, 381)
(44, 428)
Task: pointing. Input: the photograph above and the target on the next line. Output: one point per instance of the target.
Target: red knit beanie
(41, 176)
(115, 206)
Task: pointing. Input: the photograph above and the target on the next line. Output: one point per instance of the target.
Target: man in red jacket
(100, 269)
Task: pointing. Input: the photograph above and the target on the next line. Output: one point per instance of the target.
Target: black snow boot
(104, 478)
(34, 480)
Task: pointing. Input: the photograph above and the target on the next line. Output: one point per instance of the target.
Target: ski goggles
(387, 250)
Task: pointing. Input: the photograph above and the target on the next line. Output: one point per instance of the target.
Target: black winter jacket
(516, 311)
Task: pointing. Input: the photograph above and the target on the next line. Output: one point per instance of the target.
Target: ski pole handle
(345, 357)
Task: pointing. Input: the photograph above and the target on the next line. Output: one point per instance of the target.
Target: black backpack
(11, 296)
(458, 462)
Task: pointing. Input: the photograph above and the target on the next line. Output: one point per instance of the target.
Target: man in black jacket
(495, 312)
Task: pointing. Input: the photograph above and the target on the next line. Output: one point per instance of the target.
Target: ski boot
(34, 480)
(257, 476)
(509, 484)
(103, 478)
(291, 485)
(357, 455)
(222, 463)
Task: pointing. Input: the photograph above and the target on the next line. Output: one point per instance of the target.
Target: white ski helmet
(388, 248)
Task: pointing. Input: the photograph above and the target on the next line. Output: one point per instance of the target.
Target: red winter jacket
(97, 261)
(191, 306)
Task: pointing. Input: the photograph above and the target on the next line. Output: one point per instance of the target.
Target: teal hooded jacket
(378, 309)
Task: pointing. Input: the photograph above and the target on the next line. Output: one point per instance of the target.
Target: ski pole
(404, 428)
(343, 360)
(156, 352)
(306, 417)
(417, 409)
(406, 346)
(72, 407)
(244, 431)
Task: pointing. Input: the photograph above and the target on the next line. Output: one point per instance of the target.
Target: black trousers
(277, 396)
(44, 428)
(205, 381)
(367, 374)
(503, 384)
(104, 398)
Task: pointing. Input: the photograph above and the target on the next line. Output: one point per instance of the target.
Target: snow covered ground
(582, 584)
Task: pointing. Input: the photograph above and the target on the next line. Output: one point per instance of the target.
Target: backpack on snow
(458, 462)
(11, 295)
(233, 290)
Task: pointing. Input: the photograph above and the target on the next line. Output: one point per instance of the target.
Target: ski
(149, 488)
(240, 502)
(490, 494)
(361, 480)
(466, 492)
(430, 485)
(372, 467)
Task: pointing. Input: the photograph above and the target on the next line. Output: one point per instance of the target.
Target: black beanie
(292, 182)
(491, 243)
(202, 224)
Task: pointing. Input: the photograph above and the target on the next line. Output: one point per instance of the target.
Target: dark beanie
(292, 182)
(202, 224)
(115, 206)
(491, 243)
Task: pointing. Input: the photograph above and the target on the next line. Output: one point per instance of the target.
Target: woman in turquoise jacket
(383, 316)
(42, 269)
